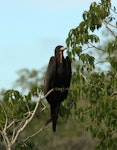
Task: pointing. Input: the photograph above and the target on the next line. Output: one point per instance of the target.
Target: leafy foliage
(16, 112)
(97, 90)
(30, 80)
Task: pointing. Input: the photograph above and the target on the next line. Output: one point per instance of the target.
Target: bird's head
(59, 52)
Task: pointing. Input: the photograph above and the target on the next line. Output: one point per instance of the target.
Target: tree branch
(105, 23)
(34, 111)
(10, 124)
(9, 141)
(34, 134)
(3, 132)
(6, 121)
(100, 62)
(113, 10)
(28, 120)
(92, 46)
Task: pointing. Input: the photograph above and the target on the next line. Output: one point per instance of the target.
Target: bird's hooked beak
(63, 48)
(61, 53)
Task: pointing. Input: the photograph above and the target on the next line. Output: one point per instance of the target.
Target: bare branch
(17, 128)
(9, 141)
(27, 107)
(112, 25)
(44, 107)
(5, 139)
(5, 127)
(105, 23)
(3, 132)
(100, 62)
(37, 132)
(113, 10)
(10, 124)
(87, 48)
(34, 111)
(28, 120)
(92, 46)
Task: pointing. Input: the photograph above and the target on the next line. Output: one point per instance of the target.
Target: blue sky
(31, 29)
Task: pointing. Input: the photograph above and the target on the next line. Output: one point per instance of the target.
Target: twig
(113, 10)
(5, 127)
(10, 124)
(105, 23)
(99, 62)
(9, 141)
(28, 120)
(34, 111)
(112, 25)
(92, 46)
(3, 132)
(27, 106)
(41, 129)
(44, 107)
(16, 129)
(87, 48)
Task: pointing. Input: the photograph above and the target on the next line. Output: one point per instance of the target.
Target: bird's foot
(60, 89)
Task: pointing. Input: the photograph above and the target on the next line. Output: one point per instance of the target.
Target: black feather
(58, 75)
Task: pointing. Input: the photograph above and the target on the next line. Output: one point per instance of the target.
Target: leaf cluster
(16, 111)
(98, 89)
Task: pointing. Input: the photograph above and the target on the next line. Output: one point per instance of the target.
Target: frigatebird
(58, 75)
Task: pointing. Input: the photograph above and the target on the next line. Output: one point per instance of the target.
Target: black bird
(58, 75)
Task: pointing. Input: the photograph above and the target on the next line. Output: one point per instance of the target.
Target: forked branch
(9, 141)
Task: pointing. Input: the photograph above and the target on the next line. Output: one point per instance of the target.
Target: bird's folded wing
(49, 80)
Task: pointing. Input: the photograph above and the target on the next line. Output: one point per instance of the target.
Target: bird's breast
(61, 76)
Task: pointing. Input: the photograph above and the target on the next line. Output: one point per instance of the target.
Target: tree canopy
(96, 88)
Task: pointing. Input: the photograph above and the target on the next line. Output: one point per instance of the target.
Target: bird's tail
(54, 115)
